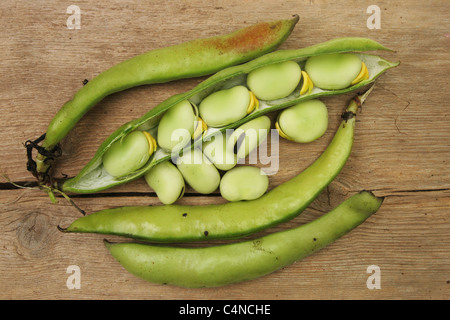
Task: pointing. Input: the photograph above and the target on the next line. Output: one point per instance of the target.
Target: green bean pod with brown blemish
(186, 60)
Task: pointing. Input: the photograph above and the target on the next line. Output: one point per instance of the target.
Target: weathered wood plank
(407, 239)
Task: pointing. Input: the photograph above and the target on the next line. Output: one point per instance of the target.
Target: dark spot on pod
(185, 214)
(357, 101)
(257, 243)
(314, 239)
(347, 115)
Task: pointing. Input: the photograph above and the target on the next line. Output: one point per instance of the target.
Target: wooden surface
(401, 151)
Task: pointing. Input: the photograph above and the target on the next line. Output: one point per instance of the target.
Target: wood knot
(32, 232)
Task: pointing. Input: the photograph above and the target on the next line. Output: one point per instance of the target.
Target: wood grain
(401, 151)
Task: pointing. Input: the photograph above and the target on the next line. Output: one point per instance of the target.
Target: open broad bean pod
(175, 223)
(186, 60)
(250, 94)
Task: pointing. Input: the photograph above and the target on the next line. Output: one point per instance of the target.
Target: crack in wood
(10, 186)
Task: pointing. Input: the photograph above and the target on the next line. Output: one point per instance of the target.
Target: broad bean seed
(226, 106)
(243, 183)
(274, 81)
(219, 152)
(129, 153)
(335, 71)
(249, 136)
(198, 171)
(304, 122)
(177, 126)
(167, 182)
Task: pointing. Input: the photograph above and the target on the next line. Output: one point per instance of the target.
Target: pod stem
(364, 96)
(50, 191)
(44, 159)
(41, 168)
(356, 104)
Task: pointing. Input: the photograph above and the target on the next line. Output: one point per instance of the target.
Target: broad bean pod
(93, 177)
(236, 262)
(176, 223)
(190, 59)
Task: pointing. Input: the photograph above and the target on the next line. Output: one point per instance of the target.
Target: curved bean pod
(93, 178)
(190, 59)
(232, 219)
(231, 263)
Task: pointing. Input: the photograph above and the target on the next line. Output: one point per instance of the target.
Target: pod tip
(373, 195)
(371, 201)
(107, 243)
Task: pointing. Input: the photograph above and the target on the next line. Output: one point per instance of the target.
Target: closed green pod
(221, 265)
(194, 58)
